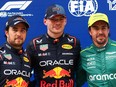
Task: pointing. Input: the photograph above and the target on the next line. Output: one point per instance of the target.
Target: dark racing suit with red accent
(14, 67)
(55, 60)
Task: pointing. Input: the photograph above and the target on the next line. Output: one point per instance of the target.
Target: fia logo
(80, 8)
(21, 5)
(112, 4)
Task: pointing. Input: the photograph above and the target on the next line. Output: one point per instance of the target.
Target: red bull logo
(57, 83)
(18, 82)
(57, 73)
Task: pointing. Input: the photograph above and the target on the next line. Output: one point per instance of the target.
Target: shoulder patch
(87, 49)
(72, 39)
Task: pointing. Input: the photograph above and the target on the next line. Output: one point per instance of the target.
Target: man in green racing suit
(99, 60)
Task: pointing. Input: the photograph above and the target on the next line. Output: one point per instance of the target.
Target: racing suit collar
(101, 48)
(7, 45)
(55, 40)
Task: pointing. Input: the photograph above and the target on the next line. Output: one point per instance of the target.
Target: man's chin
(18, 44)
(101, 42)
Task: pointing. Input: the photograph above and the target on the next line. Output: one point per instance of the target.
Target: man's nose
(19, 33)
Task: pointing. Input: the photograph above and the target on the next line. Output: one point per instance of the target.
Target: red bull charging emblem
(18, 82)
(57, 73)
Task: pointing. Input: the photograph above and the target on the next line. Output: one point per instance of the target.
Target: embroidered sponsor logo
(110, 53)
(44, 54)
(56, 73)
(70, 40)
(38, 41)
(102, 77)
(8, 56)
(67, 46)
(9, 63)
(56, 62)
(18, 82)
(16, 72)
(67, 53)
(27, 66)
(25, 59)
(57, 83)
(44, 47)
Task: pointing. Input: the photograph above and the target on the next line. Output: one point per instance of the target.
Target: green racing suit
(100, 65)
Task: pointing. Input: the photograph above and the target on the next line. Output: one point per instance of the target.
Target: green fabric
(100, 65)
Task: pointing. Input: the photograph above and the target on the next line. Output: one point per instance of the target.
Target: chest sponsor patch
(67, 46)
(44, 47)
(25, 59)
(8, 56)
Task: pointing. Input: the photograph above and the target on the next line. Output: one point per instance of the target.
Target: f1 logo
(22, 5)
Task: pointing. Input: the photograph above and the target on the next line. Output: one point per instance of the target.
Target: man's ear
(44, 21)
(6, 33)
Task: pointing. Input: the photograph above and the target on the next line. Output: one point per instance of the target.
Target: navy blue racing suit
(14, 67)
(55, 61)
